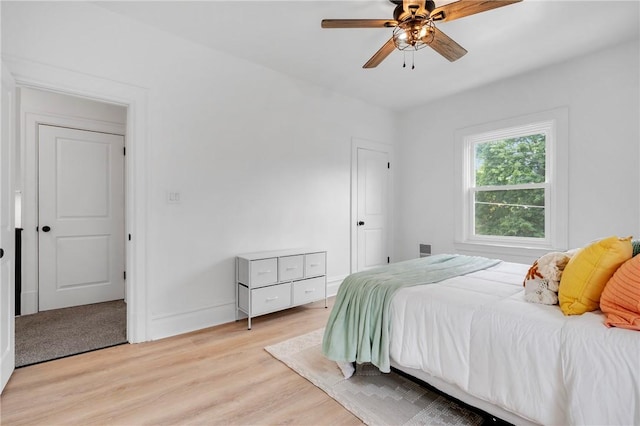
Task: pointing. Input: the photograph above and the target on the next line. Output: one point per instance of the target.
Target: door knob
(46, 229)
(360, 223)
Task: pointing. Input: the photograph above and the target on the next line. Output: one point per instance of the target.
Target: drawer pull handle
(291, 268)
(271, 299)
(311, 290)
(263, 272)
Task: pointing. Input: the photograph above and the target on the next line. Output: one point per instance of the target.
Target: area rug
(373, 397)
(59, 333)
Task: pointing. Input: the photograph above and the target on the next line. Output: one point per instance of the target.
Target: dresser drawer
(309, 290)
(268, 299)
(271, 281)
(315, 264)
(264, 272)
(290, 268)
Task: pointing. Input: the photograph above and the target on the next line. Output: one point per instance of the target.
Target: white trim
(503, 252)
(172, 324)
(556, 187)
(333, 284)
(356, 144)
(507, 132)
(41, 76)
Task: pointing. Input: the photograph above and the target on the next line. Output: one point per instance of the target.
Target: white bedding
(478, 333)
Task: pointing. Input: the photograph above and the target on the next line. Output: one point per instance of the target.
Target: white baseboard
(173, 324)
(333, 284)
(168, 325)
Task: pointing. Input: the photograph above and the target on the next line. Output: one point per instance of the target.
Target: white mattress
(477, 333)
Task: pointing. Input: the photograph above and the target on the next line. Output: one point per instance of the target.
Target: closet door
(372, 216)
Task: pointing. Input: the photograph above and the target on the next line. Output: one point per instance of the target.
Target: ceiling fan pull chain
(404, 59)
(413, 60)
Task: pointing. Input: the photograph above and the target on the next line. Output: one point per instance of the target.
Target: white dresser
(274, 280)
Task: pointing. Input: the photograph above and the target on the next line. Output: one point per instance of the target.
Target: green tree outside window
(509, 187)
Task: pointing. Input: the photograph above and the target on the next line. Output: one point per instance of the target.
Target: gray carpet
(59, 333)
(373, 397)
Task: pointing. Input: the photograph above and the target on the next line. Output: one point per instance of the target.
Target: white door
(7, 233)
(372, 209)
(80, 216)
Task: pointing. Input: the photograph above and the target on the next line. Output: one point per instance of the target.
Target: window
(510, 182)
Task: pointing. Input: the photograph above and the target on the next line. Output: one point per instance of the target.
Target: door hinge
(388, 260)
(129, 237)
(125, 275)
(37, 230)
(388, 165)
(124, 150)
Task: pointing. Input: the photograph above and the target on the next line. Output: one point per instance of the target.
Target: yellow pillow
(586, 274)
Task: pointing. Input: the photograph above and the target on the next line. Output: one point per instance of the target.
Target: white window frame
(554, 124)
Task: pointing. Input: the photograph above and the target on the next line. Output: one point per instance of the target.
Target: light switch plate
(173, 197)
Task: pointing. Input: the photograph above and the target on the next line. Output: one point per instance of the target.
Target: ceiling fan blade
(445, 45)
(381, 54)
(462, 8)
(358, 23)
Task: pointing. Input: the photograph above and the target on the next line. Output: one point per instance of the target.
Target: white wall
(601, 92)
(261, 161)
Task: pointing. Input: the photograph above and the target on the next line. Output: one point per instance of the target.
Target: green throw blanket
(358, 327)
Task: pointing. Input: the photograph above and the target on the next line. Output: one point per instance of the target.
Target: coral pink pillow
(620, 300)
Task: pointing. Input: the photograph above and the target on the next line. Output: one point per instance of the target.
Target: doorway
(71, 176)
(370, 205)
(28, 74)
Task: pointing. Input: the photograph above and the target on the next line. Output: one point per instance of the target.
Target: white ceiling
(286, 36)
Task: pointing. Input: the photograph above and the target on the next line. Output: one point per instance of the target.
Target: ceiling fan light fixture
(413, 34)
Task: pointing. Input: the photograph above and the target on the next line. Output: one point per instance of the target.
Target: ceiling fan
(414, 27)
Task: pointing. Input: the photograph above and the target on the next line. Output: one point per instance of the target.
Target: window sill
(503, 251)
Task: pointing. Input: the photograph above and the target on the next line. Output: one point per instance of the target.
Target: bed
(475, 337)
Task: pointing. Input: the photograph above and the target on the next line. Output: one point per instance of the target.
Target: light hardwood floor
(220, 375)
